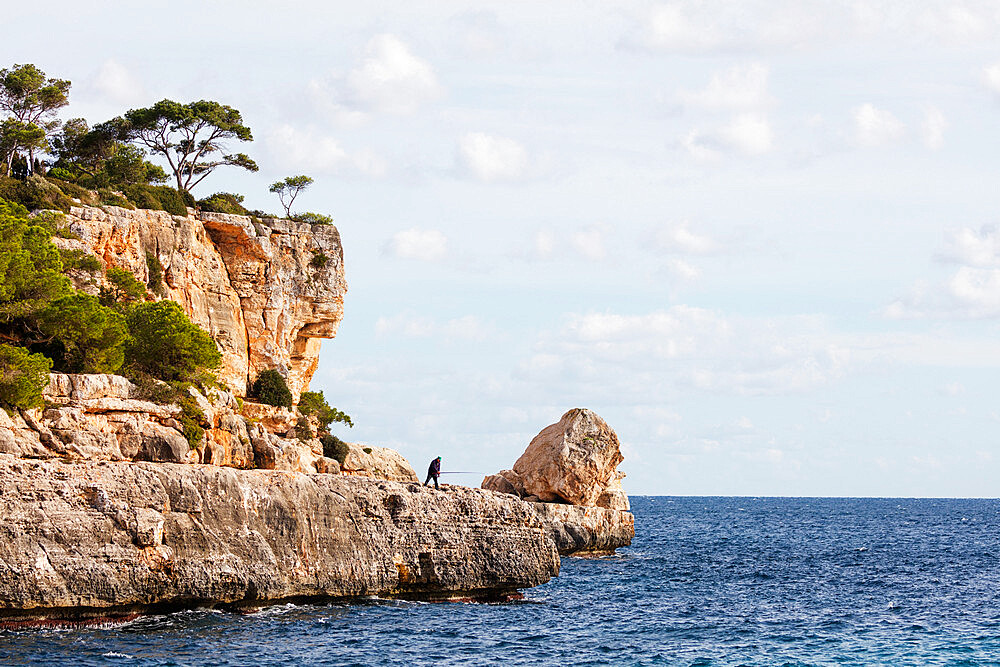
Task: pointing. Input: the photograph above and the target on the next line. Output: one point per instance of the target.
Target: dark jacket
(435, 468)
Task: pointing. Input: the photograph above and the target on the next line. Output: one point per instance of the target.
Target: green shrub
(158, 198)
(60, 174)
(319, 260)
(270, 388)
(303, 431)
(122, 290)
(35, 193)
(73, 190)
(191, 417)
(314, 403)
(23, 376)
(335, 448)
(155, 269)
(224, 202)
(73, 258)
(109, 198)
(166, 344)
(30, 265)
(313, 218)
(92, 337)
(366, 450)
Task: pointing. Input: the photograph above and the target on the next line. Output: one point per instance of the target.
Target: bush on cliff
(122, 290)
(23, 376)
(159, 198)
(91, 337)
(270, 388)
(335, 448)
(224, 202)
(314, 403)
(31, 269)
(166, 344)
(34, 193)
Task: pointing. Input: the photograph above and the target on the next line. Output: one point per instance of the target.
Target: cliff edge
(94, 541)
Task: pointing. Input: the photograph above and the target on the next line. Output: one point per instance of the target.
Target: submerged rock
(96, 540)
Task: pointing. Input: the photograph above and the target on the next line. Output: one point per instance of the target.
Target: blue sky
(758, 238)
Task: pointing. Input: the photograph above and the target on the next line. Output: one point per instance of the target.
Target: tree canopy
(290, 189)
(30, 265)
(191, 137)
(90, 335)
(166, 344)
(31, 99)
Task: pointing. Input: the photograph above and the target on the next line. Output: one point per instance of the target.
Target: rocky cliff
(266, 290)
(97, 540)
(107, 510)
(569, 473)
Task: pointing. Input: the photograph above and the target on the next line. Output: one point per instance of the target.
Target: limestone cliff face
(104, 418)
(267, 291)
(94, 540)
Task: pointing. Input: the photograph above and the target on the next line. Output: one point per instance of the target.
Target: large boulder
(377, 463)
(573, 461)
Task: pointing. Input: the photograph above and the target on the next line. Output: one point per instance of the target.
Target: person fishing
(434, 471)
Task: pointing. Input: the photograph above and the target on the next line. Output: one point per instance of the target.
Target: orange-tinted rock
(266, 291)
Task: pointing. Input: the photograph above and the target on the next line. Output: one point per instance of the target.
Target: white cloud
(671, 28)
(117, 83)
(749, 134)
(682, 270)
(428, 245)
(933, 127)
(391, 79)
(410, 325)
(991, 77)
(972, 291)
(976, 292)
(490, 158)
(311, 150)
(743, 87)
(545, 244)
(305, 150)
(686, 348)
(979, 248)
(590, 243)
(694, 26)
(680, 238)
(953, 389)
(876, 127)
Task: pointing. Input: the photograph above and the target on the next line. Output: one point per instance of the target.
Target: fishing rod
(461, 472)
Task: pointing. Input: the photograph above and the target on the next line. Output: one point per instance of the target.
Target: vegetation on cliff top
(46, 324)
(47, 163)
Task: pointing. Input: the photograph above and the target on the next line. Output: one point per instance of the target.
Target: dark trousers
(431, 476)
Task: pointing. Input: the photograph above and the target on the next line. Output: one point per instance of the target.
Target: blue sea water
(707, 581)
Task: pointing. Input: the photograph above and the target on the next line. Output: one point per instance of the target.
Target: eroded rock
(573, 461)
(96, 539)
(377, 463)
(569, 474)
(258, 287)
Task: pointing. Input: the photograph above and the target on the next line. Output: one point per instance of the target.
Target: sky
(757, 237)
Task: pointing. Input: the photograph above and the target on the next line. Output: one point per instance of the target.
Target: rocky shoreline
(93, 541)
(108, 510)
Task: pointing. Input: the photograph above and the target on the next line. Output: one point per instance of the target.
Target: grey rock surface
(101, 539)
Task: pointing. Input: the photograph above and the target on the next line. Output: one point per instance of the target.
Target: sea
(707, 581)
